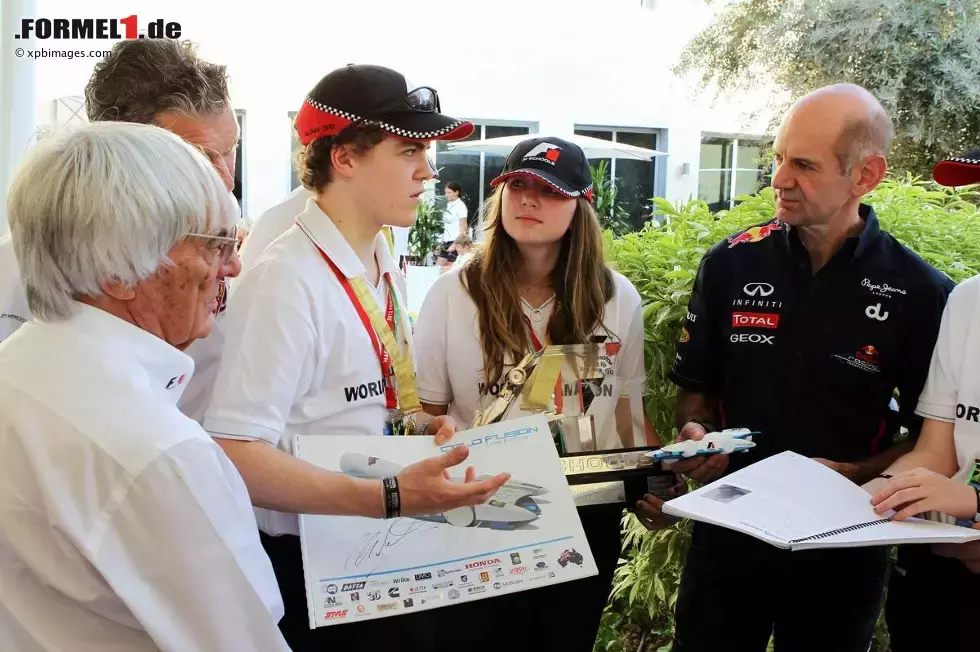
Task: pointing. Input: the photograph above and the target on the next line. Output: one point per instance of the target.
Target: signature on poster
(372, 545)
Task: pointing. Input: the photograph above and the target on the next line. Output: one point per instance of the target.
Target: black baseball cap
(958, 170)
(366, 94)
(559, 163)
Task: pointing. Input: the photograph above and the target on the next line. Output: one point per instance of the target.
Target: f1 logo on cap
(546, 150)
(176, 380)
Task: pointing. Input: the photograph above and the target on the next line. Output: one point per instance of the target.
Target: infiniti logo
(758, 289)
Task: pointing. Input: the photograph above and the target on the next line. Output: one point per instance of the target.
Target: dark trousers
(932, 602)
(736, 591)
(564, 616)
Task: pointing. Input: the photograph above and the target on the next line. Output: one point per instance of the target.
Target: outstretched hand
(426, 487)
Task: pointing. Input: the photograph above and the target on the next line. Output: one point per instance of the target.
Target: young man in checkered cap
(318, 340)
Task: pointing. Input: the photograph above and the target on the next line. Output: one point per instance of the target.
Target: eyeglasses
(224, 245)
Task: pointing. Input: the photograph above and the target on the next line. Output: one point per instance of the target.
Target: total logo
(483, 563)
(755, 320)
(875, 312)
(752, 338)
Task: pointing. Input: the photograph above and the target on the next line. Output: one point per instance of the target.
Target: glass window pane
(495, 131)
(715, 188)
(591, 133)
(716, 153)
(464, 169)
(634, 181)
(748, 182)
(749, 155)
(638, 139)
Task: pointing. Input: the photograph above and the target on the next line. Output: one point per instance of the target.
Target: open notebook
(793, 502)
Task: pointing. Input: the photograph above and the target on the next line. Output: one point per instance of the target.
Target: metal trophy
(596, 477)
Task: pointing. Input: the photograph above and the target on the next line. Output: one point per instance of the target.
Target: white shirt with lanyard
(298, 356)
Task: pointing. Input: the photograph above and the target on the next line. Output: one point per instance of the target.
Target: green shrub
(942, 225)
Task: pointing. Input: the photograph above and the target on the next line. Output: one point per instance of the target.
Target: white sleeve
(267, 361)
(14, 312)
(939, 396)
(431, 342)
(630, 367)
(182, 550)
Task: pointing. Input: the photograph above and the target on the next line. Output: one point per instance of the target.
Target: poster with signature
(527, 535)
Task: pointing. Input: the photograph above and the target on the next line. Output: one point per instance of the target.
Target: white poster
(527, 535)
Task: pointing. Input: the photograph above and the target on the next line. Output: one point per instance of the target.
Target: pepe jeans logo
(881, 289)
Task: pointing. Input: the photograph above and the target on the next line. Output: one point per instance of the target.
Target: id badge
(394, 424)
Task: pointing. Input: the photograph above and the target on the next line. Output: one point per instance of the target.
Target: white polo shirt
(450, 358)
(271, 224)
(952, 390)
(207, 351)
(124, 526)
(14, 312)
(297, 358)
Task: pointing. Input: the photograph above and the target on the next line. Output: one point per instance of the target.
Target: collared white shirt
(271, 224)
(297, 357)
(449, 358)
(206, 352)
(123, 526)
(952, 390)
(14, 312)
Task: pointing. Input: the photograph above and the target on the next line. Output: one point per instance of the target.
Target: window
(730, 167)
(473, 170)
(634, 180)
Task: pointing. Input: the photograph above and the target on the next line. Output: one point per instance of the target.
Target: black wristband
(393, 499)
(707, 425)
(976, 517)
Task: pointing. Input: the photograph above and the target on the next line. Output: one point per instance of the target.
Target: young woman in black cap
(540, 278)
(934, 591)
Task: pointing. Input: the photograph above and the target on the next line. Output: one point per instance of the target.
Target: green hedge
(942, 225)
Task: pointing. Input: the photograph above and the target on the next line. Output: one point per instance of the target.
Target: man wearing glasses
(318, 341)
(161, 82)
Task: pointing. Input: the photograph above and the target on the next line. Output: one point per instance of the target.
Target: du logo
(875, 312)
(547, 151)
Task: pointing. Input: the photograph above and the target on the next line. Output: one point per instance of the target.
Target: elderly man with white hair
(123, 526)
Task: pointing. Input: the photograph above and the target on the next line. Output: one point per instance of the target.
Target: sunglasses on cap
(422, 100)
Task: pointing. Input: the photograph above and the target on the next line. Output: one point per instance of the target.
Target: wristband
(707, 425)
(976, 517)
(393, 499)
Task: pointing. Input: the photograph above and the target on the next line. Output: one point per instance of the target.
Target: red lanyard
(391, 400)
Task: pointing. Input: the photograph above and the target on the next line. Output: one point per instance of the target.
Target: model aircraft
(730, 440)
(511, 506)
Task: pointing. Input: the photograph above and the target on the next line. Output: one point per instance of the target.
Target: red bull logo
(867, 354)
(755, 234)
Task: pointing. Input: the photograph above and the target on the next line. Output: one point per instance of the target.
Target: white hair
(105, 202)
